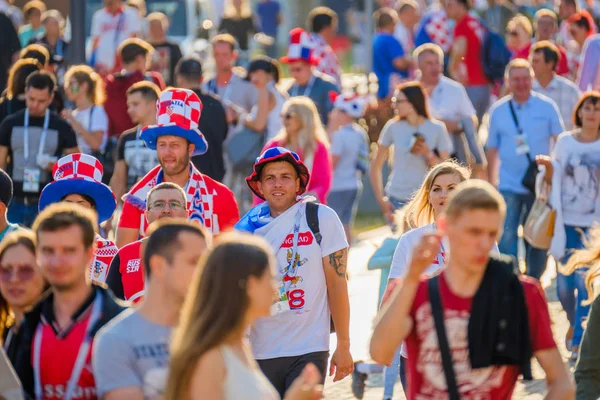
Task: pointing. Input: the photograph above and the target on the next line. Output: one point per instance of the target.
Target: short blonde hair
(515, 64)
(522, 20)
(544, 12)
(34, 5)
(225, 38)
(475, 194)
(158, 16)
(429, 48)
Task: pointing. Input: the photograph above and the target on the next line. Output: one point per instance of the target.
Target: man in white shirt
(408, 16)
(449, 102)
(311, 251)
(111, 25)
(544, 58)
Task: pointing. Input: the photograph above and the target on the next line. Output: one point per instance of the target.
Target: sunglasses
(513, 33)
(23, 273)
(289, 115)
(296, 69)
(397, 100)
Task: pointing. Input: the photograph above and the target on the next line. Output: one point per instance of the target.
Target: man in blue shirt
(269, 16)
(390, 63)
(508, 146)
(6, 193)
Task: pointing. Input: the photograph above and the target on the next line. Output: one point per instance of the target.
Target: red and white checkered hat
(301, 48)
(350, 103)
(177, 113)
(79, 174)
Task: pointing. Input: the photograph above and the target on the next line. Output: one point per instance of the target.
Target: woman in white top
(265, 116)
(573, 173)
(85, 89)
(210, 356)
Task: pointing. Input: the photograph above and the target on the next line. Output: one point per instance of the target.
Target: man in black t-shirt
(134, 158)
(166, 53)
(33, 139)
(213, 123)
(9, 48)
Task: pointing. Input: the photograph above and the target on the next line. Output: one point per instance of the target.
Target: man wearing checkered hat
(175, 138)
(307, 80)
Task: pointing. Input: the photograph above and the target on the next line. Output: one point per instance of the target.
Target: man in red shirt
(465, 57)
(476, 291)
(126, 274)
(175, 138)
(135, 54)
(54, 342)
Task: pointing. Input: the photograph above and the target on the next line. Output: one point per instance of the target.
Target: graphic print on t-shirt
(290, 272)
(139, 159)
(581, 184)
(472, 384)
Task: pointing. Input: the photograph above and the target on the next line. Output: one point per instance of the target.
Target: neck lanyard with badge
(31, 176)
(307, 89)
(81, 354)
(283, 304)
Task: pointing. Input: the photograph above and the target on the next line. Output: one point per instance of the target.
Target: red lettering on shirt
(304, 239)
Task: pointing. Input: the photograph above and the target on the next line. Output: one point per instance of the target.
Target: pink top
(321, 172)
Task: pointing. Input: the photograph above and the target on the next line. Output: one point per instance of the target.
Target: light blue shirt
(539, 119)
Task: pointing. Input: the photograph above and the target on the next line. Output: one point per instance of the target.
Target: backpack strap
(312, 219)
(437, 309)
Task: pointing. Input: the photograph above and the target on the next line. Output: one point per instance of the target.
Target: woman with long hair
(210, 357)
(419, 141)
(264, 73)
(587, 370)
(303, 134)
(21, 284)
(421, 212)
(85, 89)
(573, 174)
(13, 99)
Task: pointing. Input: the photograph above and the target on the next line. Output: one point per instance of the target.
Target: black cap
(189, 68)
(6, 188)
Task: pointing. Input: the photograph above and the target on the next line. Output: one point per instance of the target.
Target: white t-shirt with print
(305, 327)
(99, 122)
(580, 186)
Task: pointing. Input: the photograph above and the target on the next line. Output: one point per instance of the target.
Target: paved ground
(363, 288)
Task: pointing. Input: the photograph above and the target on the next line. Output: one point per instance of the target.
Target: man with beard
(176, 137)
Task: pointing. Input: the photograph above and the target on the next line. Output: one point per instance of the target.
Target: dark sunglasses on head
(23, 272)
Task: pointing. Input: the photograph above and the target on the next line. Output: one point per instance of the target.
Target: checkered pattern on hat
(351, 103)
(78, 166)
(301, 45)
(178, 107)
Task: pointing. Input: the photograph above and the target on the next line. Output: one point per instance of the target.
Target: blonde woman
(210, 357)
(587, 370)
(303, 134)
(421, 213)
(85, 89)
(519, 33)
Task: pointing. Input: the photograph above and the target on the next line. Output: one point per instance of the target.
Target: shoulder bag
(532, 169)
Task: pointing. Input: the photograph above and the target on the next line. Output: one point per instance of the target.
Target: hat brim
(301, 169)
(313, 60)
(151, 134)
(105, 200)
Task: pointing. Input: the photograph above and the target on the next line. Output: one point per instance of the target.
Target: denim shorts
(345, 204)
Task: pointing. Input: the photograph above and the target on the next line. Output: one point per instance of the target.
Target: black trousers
(282, 371)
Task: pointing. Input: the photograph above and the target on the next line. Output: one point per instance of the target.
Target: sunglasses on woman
(22, 272)
(289, 115)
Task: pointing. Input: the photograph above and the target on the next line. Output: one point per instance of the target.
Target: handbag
(437, 309)
(243, 147)
(539, 226)
(532, 169)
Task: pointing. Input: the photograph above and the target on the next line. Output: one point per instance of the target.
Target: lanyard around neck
(307, 89)
(42, 143)
(81, 354)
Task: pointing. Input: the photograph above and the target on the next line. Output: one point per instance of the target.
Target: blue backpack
(494, 56)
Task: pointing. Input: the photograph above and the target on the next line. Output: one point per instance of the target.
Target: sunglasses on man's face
(23, 272)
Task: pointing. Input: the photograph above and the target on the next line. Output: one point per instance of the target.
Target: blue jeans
(21, 213)
(398, 204)
(391, 375)
(403, 367)
(567, 285)
(517, 209)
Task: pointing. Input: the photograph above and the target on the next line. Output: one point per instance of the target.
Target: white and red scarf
(106, 250)
(199, 202)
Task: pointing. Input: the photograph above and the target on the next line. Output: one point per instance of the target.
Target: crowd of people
(167, 235)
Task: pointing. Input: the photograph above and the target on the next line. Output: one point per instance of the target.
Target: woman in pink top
(303, 133)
